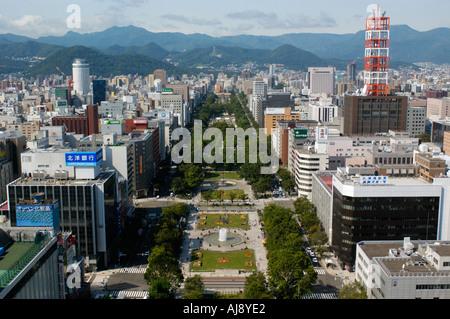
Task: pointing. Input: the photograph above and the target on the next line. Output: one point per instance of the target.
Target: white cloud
(191, 20)
(273, 21)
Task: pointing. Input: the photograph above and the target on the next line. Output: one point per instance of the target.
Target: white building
(80, 72)
(321, 80)
(415, 121)
(322, 112)
(404, 269)
(304, 163)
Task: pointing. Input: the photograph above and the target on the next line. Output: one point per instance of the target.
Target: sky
(214, 18)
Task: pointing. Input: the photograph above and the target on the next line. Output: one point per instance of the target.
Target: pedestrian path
(329, 295)
(129, 294)
(320, 271)
(133, 270)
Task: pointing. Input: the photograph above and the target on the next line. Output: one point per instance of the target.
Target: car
(315, 260)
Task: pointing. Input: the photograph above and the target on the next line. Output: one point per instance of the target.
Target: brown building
(28, 129)
(430, 167)
(368, 115)
(87, 124)
(136, 125)
(161, 75)
(446, 147)
(273, 115)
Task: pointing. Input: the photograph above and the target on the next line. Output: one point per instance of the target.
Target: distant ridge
(407, 44)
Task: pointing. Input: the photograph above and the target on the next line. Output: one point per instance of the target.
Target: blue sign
(79, 159)
(38, 215)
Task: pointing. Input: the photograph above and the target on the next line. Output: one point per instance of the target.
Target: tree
(232, 196)
(286, 270)
(160, 289)
(354, 290)
(425, 137)
(178, 185)
(207, 195)
(163, 265)
(318, 238)
(256, 287)
(193, 288)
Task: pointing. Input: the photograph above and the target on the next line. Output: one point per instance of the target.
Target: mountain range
(296, 50)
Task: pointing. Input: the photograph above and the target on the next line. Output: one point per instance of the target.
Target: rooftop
(29, 181)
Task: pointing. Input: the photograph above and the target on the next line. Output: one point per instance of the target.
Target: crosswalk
(329, 295)
(133, 270)
(129, 294)
(320, 271)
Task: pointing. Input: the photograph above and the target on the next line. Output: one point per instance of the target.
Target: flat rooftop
(29, 181)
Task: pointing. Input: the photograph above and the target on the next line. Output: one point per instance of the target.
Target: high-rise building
(351, 72)
(370, 207)
(87, 208)
(321, 80)
(80, 72)
(160, 74)
(98, 91)
(368, 115)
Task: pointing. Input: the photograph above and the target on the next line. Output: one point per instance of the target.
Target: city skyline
(45, 18)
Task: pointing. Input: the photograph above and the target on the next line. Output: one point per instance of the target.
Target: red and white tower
(376, 54)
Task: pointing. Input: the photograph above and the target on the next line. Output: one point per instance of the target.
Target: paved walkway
(192, 241)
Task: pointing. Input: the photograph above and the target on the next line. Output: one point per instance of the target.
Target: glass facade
(357, 219)
(77, 208)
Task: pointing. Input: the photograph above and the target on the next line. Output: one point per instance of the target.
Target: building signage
(366, 180)
(113, 122)
(139, 121)
(167, 90)
(79, 159)
(322, 133)
(275, 110)
(300, 133)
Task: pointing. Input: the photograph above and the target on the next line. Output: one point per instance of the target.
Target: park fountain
(223, 234)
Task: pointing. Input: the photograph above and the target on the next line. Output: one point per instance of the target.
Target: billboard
(38, 215)
(79, 159)
(140, 121)
(370, 180)
(300, 133)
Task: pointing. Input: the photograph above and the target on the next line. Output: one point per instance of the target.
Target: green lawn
(223, 220)
(220, 194)
(14, 253)
(209, 260)
(219, 175)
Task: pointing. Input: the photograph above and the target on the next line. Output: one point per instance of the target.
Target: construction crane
(353, 62)
(70, 84)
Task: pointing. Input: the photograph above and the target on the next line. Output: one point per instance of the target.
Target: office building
(438, 108)
(368, 115)
(87, 197)
(404, 269)
(321, 80)
(371, 207)
(161, 75)
(111, 109)
(273, 115)
(415, 123)
(87, 124)
(98, 91)
(304, 163)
